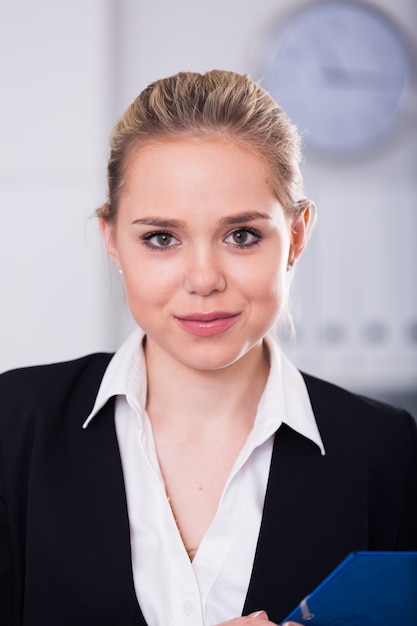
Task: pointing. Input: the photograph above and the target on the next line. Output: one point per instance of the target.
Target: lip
(207, 324)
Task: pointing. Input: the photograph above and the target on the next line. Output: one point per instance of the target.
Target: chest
(195, 474)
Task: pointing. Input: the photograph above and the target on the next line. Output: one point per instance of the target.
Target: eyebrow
(162, 223)
(248, 216)
(239, 218)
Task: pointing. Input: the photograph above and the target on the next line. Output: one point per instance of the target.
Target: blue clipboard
(366, 589)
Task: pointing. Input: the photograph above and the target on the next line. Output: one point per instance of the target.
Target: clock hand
(338, 76)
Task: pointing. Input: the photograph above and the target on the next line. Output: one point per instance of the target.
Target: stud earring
(290, 264)
(120, 270)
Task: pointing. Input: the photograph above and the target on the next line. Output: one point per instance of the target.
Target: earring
(290, 264)
(120, 270)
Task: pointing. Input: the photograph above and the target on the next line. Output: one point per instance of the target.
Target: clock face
(340, 71)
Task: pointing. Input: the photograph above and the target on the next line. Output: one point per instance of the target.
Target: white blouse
(212, 588)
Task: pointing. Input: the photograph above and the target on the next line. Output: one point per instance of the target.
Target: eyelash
(251, 231)
(146, 238)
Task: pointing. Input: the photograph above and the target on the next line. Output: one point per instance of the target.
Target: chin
(210, 358)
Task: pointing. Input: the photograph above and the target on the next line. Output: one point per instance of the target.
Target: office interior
(69, 69)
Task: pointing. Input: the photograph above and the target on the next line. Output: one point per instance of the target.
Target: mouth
(207, 324)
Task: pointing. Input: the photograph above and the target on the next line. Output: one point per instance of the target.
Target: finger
(247, 620)
(258, 616)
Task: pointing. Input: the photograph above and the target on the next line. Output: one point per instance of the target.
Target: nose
(204, 274)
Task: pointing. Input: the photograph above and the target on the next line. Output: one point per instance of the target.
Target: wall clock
(341, 70)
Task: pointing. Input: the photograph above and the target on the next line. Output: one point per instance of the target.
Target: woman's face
(204, 246)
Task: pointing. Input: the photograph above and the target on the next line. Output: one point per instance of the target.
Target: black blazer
(64, 531)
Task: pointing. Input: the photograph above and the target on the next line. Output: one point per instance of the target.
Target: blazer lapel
(289, 559)
(78, 531)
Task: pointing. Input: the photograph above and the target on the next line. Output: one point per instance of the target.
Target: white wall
(68, 71)
(54, 126)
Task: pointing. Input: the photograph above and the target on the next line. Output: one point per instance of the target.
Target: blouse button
(187, 607)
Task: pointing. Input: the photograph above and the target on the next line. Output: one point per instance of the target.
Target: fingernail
(257, 614)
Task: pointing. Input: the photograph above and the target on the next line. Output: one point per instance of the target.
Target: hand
(259, 618)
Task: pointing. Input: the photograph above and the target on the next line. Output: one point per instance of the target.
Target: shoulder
(90, 365)
(328, 397)
(343, 414)
(46, 386)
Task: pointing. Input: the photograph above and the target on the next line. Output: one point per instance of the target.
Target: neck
(192, 400)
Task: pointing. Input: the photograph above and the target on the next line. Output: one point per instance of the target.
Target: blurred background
(346, 74)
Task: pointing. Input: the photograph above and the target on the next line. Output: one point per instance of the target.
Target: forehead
(196, 181)
(195, 159)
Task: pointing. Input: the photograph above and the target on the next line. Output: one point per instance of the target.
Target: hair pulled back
(217, 103)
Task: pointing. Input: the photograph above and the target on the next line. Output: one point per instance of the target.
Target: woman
(196, 473)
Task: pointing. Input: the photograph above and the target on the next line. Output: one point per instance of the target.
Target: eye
(244, 237)
(159, 240)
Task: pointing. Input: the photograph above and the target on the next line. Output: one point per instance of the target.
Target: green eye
(163, 239)
(240, 236)
(244, 237)
(159, 240)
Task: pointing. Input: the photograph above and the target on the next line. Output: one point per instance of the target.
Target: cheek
(149, 284)
(267, 281)
(272, 294)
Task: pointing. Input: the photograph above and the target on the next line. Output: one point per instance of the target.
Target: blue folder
(366, 589)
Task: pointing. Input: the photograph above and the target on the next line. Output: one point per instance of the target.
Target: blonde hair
(215, 103)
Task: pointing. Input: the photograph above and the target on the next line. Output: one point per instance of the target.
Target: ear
(299, 231)
(109, 238)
